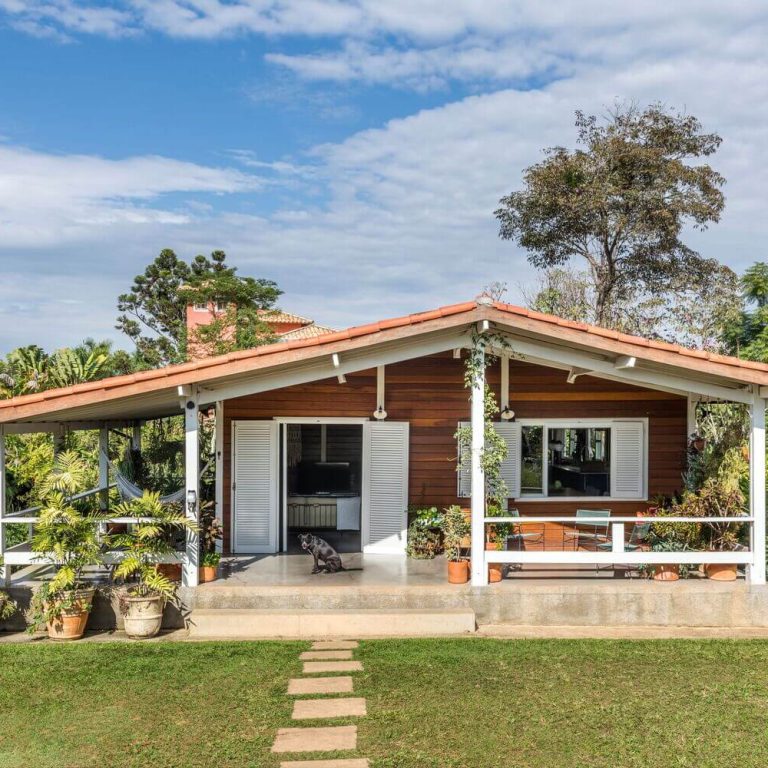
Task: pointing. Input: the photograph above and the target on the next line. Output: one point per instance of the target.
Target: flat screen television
(323, 477)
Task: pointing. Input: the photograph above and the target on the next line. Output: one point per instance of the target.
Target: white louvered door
(255, 486)
(385, 457)
(628, 468)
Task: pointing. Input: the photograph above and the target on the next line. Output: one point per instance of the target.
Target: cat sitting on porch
(320, 549)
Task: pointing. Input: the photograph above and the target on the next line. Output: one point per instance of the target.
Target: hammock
(129, 490)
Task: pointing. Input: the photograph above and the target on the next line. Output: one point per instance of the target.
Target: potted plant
(212, 532)
(68, 540)
(148, 540)
(671, 537)
(455, 528)
(425, 534)
(8, 606)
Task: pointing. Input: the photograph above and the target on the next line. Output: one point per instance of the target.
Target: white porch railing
(618, 552)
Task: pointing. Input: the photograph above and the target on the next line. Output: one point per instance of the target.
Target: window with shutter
(629, 466)
(510, 468)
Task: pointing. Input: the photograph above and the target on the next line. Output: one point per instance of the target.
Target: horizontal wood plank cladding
(429, 393)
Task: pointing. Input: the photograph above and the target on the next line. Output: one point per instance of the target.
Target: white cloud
(403, 218)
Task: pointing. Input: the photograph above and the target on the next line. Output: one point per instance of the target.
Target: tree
(747, 335)
(154, 310)
(620, 202)
(683, 314)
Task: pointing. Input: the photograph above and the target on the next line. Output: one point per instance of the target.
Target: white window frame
(200, 307)
(548, 424)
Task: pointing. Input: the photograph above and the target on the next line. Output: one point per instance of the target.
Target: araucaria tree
(154, 310)
(620, 202)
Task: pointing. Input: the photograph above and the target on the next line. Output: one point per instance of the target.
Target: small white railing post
(617, 538)
(191, 501)
(477, 506)
(757, 489)
(5, 570)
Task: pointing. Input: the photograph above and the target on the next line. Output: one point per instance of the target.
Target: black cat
(320, 549)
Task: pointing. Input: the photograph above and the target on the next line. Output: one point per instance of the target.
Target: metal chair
(519, 538)
(591, 533)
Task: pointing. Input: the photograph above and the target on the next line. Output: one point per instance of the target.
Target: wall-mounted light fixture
(380, 414)
(192, 500)
(507, 414)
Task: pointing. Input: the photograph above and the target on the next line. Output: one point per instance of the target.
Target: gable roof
(539, 326)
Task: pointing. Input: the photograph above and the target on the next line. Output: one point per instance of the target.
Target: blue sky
(352, 151)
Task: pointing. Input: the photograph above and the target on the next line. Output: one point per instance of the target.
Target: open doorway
(322, 475)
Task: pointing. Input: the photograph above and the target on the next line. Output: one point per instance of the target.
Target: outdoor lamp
(507, 414)
(191, 500)
(380, 414)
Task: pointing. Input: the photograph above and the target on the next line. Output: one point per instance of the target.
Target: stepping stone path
(326, 656)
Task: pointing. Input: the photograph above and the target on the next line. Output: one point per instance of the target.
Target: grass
(470, 703)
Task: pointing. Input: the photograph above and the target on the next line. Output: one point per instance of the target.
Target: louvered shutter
(628, 464)
(386, 474)
(510, 467)
(254, 495)
(464, 473)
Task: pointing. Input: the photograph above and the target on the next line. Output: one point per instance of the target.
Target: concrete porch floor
(295, 570)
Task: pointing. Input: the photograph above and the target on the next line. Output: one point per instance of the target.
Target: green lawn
(432, 703)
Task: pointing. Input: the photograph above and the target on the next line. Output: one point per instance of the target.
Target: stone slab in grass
(318, 709)
(325, 655)
(299, 686)
(344, 762)
(331, 739)
(334, 645)
(312, 667)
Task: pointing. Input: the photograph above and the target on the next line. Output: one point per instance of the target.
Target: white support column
(477, 422)
(504, 393)
(219, 458)
(58, 440)
(757, 489)
(104, 468)
(692, 427)
(136, 437)
(381, 384)
(5, 570)
(190, 575)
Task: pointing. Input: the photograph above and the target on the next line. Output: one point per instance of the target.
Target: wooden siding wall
(429, 393)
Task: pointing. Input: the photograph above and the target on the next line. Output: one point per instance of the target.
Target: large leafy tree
(620, 203)
(747, 335)
(154, 310)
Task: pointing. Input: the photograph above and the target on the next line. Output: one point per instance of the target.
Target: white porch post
(219, 458)
(477, 421)
(692, 426)
(757, 489)
(136, 437)
(5, 570)
(190, 574)
(104, 468)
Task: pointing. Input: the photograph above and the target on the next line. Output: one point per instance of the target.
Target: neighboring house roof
(536, 327)
(278, 316)
(305, 332)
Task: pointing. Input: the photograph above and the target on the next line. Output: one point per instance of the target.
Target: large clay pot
(666, 572)
(458, 572)
(495, 572)
(208, 573)
(142, 616)
(70, 625)
(721, 571)
(171, 571)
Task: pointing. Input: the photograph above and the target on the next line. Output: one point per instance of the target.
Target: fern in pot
(144, 545)
(67, 539)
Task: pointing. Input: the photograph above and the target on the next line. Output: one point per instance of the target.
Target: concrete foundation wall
(639, 603)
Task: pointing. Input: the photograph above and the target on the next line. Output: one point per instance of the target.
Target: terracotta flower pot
(490, 546)
(208, 573)
(70, 625)
(171, 571)
(666, 572)
(143, 616)
(721, 571)
(458, 571)
(495, 572)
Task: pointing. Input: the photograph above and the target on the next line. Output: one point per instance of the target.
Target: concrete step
(254, 623)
